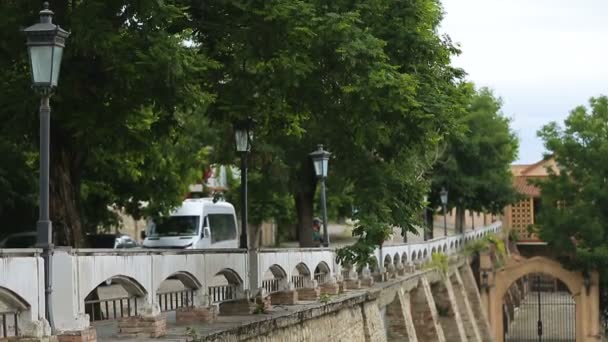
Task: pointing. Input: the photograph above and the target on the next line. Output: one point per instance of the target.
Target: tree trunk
(429, 224)
(304, 200)
(460, 220)
(65, 197)
(305, 211)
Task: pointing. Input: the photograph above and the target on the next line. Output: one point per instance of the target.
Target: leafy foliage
(573, 218)
(439, 261)
(475, 168)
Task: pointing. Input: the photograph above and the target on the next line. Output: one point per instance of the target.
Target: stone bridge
(208, 279)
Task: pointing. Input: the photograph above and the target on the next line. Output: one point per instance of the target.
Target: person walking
(316, 232)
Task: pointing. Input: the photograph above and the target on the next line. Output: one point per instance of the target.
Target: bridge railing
(78, 272)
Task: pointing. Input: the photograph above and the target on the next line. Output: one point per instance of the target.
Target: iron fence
(108, 309)
(271, 285)
(298, 281)
(221, 293)
(7, 329)
(170, 301)
(321, 278)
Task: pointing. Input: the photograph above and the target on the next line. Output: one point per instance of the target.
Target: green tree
(127, 123)
(573, 217)
(475, 167)
(370, 80)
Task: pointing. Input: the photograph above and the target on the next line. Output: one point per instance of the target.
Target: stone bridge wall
(421, 306)
(78, 272)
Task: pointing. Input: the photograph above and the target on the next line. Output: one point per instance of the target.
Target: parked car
(19, 240)
(110, 241)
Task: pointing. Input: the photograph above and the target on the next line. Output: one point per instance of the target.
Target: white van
(198, 223)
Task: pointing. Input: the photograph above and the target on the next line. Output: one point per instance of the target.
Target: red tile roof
(523, 186)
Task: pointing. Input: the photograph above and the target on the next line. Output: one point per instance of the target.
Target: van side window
(222, 227)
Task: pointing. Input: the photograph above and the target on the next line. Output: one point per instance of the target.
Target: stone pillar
(448, 313)
(287, 296)
(400, 269)
(373, 326)
(465, 309)
(331, 286)
(201, 312)
(424, 313)
(70, 323)
(311, 290)
(479, 313)
(400, 326)
(149, 323)
(391, 271)
(366, 277)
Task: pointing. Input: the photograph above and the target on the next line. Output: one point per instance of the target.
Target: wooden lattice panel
(522, 216)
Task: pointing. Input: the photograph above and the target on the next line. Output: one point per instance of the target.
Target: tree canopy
(150, 90)
(573, 218)
(476, 165)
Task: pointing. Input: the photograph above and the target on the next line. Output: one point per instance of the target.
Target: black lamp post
(425, 232)
(243, 134)
(444, 202)
(45, 43)
(320, 158)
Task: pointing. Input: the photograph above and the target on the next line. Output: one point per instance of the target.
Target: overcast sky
(542, 57)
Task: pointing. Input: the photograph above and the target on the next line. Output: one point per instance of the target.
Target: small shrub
(438, 261)
(325, 298)
(260, 309)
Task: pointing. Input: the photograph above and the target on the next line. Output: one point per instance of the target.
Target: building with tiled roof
(522, 215)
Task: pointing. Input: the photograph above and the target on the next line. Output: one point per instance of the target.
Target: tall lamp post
(243, 134)
(425, 234)
(444, 202)
(320, 158)
(45, 43)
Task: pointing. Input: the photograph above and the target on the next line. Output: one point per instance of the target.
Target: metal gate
(545, 313)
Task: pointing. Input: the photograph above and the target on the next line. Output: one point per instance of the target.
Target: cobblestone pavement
(557, 312)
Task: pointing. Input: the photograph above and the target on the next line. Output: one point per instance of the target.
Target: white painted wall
(75, 273)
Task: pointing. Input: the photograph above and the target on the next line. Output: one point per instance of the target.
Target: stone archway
(586, 299)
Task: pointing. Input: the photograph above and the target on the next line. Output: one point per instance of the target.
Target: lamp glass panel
(41, 58)
(57, 54)
(242, 140)
(324, 167)
(318, 167)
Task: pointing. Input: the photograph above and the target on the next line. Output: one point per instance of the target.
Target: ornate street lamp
(243, 136)
(444, 202)
(45, 43)
(320, 159)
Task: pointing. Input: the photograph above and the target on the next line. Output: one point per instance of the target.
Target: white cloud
(543, 57)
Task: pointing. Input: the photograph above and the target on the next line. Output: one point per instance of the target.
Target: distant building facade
(522, 215)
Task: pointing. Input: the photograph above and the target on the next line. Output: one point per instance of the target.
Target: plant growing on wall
(439, 261)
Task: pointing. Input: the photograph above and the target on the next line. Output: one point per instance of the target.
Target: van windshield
(175, 226)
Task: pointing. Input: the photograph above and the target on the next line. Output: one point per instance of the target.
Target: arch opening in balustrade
(422, 254)
(433, 251)
(117, 297)
(396, 259)
(272, 278)
(299, 275)
(177, 291)
(404, 258)
(11, 307)
(387, 261)
(225, 285)
(414, 256)
(445, 248)
(322, 272)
